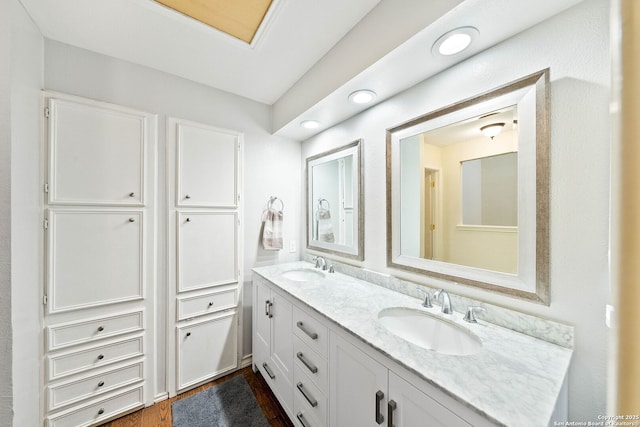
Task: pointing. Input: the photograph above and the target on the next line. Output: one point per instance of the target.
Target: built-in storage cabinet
(203, 216)
(273, 341)
(99, 223)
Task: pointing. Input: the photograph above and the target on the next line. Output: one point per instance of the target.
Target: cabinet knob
(100, 356)
(132, 220)
(132, 194)
(100, 328)
(188, 219)
(101, 411)
(101, 383)
(187, 196)
(188, 334)
(210, 303)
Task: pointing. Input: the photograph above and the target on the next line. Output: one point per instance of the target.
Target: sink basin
(303, 275)
(430, 332)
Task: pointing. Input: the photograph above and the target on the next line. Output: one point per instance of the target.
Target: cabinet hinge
(46, 112)
(433, 184)
(46, 188)
(433, 227)
(45, 224)
(45, 300)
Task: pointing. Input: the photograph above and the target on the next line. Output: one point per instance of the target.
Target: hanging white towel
(272, 230)
(325, 227)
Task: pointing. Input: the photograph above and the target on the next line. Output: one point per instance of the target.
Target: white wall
(270, 162)
(575, 46)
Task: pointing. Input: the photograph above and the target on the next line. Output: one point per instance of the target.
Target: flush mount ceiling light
(363, 96)
(455, 41)
(309, 124)
(492, 130)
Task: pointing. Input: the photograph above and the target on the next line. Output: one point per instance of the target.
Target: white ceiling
(308, 54)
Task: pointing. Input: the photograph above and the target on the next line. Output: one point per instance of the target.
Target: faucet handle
(470, 315)
(427, 300)
(332, 269)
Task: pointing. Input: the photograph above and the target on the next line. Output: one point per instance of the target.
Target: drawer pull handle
(312, 335)
(379, 416)
(313, 402)
(100, 356)
(132, 220)
(132, 194)
(300, 418)
(391, 406)
(267, 309)
(187, 196)
(101, 411)
(188, 334)
(266, 368)
(100, 328)
(310, 366)
(101, 383)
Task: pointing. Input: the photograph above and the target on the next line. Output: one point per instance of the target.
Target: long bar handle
(266, 368)
(313, 402)
(300, 418)
(379, 416)
(391, 406)
(312, 335)
(310, 366)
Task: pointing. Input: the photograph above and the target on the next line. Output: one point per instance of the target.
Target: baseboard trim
(246, 361)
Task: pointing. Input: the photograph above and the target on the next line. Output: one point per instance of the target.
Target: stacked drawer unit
(310, 374)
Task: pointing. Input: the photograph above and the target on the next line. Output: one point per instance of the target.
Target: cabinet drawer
(312, 364)
(67, 363)
(303, 417)
(199, 305)
(311, 331)
(98, 411)
(67, 393)
(206, 349)
(63, 335)
(310, 395)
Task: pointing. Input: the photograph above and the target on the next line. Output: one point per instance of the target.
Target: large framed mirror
(335, 215)
(468, 191)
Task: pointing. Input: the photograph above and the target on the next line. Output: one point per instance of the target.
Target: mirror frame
(359, 201)
(485, 279)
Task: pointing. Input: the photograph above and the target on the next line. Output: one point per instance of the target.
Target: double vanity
(340, 351)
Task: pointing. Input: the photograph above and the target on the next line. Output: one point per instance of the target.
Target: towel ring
(272, 200)
(320, 201)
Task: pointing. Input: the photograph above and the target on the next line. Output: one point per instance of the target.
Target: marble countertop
(514, 380)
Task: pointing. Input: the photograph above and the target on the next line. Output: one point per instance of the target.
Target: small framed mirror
(468, 191)
(334, 202)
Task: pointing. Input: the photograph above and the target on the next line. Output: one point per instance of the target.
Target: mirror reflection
(334, 216)
(468, 191)
(459, 191)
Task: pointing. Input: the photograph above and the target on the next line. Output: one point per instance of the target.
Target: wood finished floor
(159, 415)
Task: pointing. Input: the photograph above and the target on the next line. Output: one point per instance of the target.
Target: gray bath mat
(229, 404)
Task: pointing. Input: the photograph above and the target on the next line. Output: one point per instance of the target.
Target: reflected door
(429, 219)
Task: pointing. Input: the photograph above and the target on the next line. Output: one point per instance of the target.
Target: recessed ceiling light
(455, 41)
(309, 124)
(363, 96)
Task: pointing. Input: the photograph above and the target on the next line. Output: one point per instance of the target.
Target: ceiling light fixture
(455, 41)
(492, 130)
(363, 96)
(309, 124)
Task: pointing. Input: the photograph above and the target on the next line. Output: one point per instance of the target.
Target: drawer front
(98, 411)
(189, 307)
(64, 335)
(302, 416)
(311, 331)
(77, 361)
(310, 395)
(64, 394)
(312, 364)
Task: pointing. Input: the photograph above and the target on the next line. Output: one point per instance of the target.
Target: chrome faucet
(446, 301)
(319, 264)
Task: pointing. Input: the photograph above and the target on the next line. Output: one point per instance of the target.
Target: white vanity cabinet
(203, 249)
(273, 340)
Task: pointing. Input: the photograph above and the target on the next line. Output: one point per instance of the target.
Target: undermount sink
(430, 332)
(303, 275)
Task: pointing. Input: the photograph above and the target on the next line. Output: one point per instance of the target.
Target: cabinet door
(96, 153)
(358, 386)
(207, 249)
(282, 334)
(415, 408)
(207, 166)
(94, 258)
(262, 321)
(206, 349)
